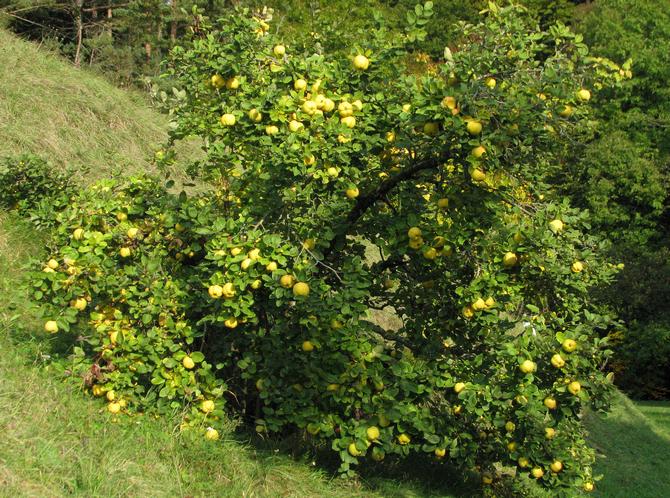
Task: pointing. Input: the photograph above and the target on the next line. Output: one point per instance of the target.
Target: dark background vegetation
(621, 177)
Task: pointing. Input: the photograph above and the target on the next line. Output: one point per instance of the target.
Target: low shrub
(30, 185)
(642, 360)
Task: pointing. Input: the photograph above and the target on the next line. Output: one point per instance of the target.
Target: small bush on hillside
(30, 184)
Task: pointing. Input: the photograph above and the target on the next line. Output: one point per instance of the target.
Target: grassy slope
(658, 412)
(71, 117)
(633, 449)
(58, 442)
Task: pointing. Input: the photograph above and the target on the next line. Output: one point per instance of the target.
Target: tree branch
(38, 6)
(390, 263)
(366, 201)
(103, 7)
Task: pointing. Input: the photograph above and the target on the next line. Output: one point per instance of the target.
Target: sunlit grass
(71, 117)
(633, 451)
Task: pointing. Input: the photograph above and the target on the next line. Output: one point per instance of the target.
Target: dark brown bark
(366, 201)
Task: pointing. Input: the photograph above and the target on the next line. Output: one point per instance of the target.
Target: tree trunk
(173, 25)
(109, 22)
(79, 24)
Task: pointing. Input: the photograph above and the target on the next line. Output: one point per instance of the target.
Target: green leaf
(197, 356)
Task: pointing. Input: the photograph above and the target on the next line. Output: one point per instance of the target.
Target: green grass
(72, 117)
(658, 412)
(633, 444)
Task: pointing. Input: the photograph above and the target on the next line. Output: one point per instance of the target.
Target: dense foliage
(125, 39)
(32, 187)
(343, 190)
(128, 39)
(623, 180)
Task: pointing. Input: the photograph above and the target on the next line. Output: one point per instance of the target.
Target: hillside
(60, 442)
(69, 116)
(633, 449)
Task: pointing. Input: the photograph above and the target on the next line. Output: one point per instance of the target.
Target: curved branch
(366, 201)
